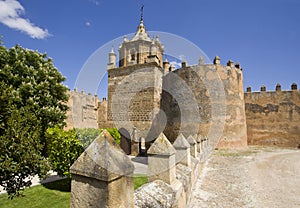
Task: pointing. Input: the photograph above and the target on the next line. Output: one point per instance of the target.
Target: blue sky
(263, 35)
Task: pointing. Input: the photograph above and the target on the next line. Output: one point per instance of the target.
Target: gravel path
(254, 177)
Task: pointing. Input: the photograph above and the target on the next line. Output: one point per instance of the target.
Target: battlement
(273, 117)
(83, 110)
(277, 89)
(216, 88)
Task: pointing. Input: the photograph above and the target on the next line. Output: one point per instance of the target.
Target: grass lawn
(55, 195)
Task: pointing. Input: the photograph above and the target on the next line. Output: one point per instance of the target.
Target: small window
(132, 57)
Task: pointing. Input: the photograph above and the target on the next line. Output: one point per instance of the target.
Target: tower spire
(142, 13)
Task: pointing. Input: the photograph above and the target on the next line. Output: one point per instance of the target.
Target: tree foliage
(32, 98)
(64, 149)
(87, 135)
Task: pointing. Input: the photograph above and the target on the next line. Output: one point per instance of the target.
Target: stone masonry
(149, 95)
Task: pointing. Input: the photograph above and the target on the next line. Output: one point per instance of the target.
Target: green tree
(32, 98)
(64, 149)
(20, 149)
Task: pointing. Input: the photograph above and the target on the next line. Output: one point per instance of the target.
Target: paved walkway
(256, 177)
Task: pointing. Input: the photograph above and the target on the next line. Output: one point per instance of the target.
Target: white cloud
(177, 65)
(87, 24)
(96, 2)
(10, 15)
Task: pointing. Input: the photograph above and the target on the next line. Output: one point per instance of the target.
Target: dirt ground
(263, 177)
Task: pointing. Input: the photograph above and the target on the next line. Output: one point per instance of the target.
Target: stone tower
(134, 86)
(147, 96)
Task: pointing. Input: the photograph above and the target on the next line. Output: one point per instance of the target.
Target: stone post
(198, 140)
(193, 144)
(134, 142)
(162, 166)
(182, 154)
(161, 161)
(102, 176)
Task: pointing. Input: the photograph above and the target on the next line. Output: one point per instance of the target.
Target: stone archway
(125, 141)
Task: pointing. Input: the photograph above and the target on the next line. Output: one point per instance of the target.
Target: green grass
(139, 180)
(55, 195)
(236, 153)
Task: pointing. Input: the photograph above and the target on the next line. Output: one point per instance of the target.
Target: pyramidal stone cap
(181, 142)
(198, 138)
(191, 140)
(161, 146)
(103, 160)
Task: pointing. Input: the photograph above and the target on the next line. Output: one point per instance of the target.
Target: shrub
(64, 149)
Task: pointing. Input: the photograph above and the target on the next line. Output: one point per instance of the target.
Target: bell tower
(141, 48)
(135, 86)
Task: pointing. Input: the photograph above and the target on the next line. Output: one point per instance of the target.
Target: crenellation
(278, 87)
(230, 63)
(294, 86)
(282, 108)
(248, 89)
(217, 60)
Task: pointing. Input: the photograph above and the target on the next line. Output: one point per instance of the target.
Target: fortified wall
(273, 117)
(83, 110)
(219, 98)
(147, 96)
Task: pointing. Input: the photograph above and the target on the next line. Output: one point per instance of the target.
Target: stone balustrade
(103, 175)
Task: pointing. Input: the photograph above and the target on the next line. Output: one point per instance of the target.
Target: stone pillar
(203, 144)
(161, 161)
(207, 142)
(198, 140)
(134, 142)
(182, 148)
(193, 144)
(102, 176)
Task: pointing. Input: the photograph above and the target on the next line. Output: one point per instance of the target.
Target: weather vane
(142, 12)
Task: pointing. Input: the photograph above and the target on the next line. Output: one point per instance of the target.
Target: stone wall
(212, 103)
(273, 117)
(83, 110)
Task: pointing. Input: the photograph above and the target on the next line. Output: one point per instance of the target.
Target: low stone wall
(103, 175)
(172, 171)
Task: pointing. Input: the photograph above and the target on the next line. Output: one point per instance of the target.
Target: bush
(87, 136)
(114, 133)
(64, 149)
